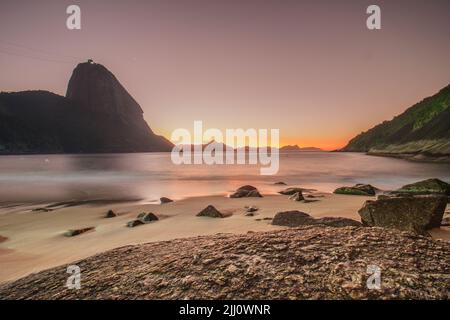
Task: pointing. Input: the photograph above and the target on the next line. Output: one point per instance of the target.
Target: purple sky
(310, 68)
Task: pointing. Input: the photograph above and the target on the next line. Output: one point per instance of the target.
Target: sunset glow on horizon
(309, 68)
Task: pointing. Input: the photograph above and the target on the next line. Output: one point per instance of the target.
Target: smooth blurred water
(148, 176)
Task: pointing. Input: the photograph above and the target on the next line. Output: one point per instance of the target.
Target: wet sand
(33, 241)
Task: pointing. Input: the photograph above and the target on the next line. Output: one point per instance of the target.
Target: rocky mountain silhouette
(97, 115)
(423, 129)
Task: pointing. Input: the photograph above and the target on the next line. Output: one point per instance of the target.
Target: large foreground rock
(416, 214)
(313, 262)
(429, 186)
(358, 190)
(297, 218)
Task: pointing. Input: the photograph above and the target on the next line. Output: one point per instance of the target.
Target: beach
(34, 241)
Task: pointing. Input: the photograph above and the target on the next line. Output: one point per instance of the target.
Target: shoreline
(35, 240)
(414, 157)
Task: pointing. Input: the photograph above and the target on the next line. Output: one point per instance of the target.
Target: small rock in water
(298, 196)
(211, 211)
(75, 232)
(165, 200)
(111, 214)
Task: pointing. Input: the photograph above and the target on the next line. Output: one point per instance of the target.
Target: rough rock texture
(429, 186)
(211, 211)
(246, 192)
(338, 222)
(313, 262)
(416, 214)
(292, 219)
(357, 189)
(297, 218)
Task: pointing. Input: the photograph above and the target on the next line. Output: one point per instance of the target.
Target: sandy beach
(34, 241)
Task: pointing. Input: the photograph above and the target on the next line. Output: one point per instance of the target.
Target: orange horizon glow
(322, 143)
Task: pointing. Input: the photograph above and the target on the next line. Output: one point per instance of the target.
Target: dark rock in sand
(111, 214)
(313, 196)
(254, 194)
(291, 191)
(416, 214)
(252, 209)
(165, 200)
(297, 218)
(246, 192)
(358, 189)
(280, 183)
(142, 218)
(76, 232)
(247, 188)
(147, 217)
(135, 223)
(298, 196)
(211, 211)
(42, 210)
(292, 219)
(429, 186)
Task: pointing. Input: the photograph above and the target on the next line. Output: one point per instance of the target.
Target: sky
(309, 68)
